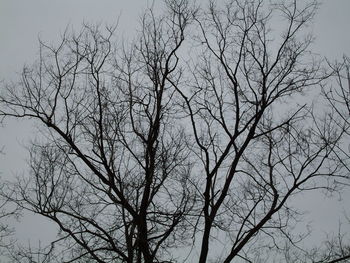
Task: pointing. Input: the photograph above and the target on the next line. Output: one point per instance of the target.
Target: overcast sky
(23, 21)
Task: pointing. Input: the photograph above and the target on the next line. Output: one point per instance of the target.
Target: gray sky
(22, 21)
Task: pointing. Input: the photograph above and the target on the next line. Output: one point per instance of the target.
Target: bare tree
(7, 212)
(338, 97)
(5, 230)
(145, 149)
(336, 247)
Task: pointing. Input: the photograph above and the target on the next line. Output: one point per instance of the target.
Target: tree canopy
(188, 143)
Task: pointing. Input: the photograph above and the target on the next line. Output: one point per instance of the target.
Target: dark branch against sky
(23, 22)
